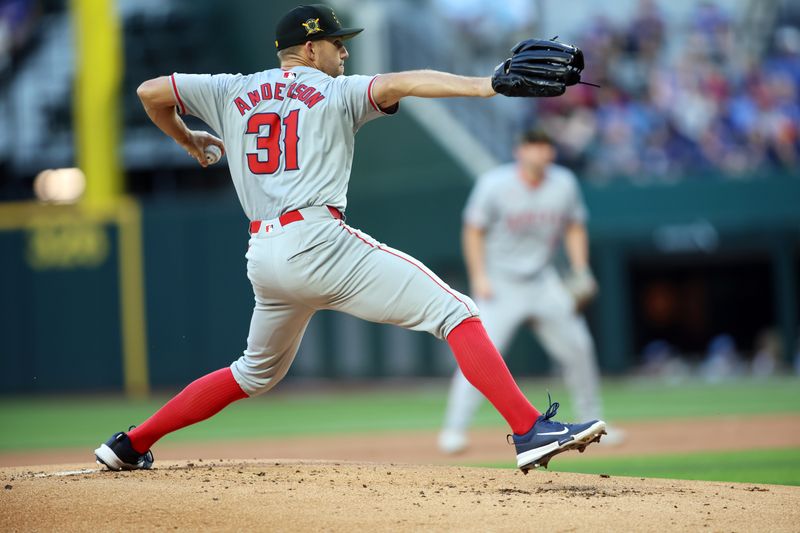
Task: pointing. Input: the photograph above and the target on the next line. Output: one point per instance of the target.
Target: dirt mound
(342, 496)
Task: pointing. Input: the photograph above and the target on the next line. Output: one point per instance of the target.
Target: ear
(308, 50)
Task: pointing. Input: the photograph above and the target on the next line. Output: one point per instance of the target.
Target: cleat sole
(579, 443)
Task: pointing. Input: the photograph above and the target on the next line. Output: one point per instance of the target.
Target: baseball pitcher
(289, 137)
(515, 218)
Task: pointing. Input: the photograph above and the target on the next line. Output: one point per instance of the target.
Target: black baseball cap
(310, 23)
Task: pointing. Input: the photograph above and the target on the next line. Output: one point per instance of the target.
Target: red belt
(292, 216)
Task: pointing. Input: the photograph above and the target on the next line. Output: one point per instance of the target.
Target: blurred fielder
(289, 135)
(514, 220)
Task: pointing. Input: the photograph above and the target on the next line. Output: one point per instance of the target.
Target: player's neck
(532, 177)
(296, 62)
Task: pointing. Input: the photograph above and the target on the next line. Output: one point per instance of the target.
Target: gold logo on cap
(312, 26)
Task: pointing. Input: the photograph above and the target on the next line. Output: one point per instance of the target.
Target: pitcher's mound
(287, 495)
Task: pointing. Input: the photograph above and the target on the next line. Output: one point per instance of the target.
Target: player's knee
(452, 321)
(583, 343)
(257, 375)
(457, 313)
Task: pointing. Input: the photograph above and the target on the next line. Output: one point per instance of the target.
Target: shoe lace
(552, 408)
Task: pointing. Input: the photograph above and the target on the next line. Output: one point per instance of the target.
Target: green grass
(780, 467)
(39, 424)
(42, 422)
(646, 400)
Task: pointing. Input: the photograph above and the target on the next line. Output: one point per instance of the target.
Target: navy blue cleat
(118, 454)
(547, 438)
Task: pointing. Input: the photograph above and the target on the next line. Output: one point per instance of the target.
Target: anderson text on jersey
(310, 96)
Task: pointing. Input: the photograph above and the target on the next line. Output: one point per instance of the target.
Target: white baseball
(213, 153)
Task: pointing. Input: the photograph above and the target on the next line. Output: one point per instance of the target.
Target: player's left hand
(582, 286)
(538, 68)
(481, 287)
(196, 144)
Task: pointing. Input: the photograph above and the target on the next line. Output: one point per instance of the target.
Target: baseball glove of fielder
(582, 286)
(538, 68)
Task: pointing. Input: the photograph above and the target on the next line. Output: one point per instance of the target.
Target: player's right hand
(481, 288)
(196, 144)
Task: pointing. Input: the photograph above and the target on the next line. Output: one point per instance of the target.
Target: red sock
(201, 399)
(483, 366)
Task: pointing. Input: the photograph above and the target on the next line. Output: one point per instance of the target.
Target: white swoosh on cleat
(555, 432)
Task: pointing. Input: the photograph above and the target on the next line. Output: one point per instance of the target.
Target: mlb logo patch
(289, 75)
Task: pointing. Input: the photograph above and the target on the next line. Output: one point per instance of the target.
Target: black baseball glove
(538, 68)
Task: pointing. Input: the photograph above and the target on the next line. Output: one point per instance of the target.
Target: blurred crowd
(17, 21)
(489, 25)
(705, 95)
(670, 107)
(722, 360)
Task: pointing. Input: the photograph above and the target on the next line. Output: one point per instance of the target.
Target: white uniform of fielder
(521, 224)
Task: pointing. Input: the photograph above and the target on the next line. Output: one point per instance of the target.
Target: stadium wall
(61, 312)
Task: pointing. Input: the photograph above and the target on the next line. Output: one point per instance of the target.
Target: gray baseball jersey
(288, 133)
(523, 223)
(289, 138)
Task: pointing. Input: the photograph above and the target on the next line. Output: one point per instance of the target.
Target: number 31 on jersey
(271, 142)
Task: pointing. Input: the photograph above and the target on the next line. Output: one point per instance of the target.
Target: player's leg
(569, 342)
(275, 333)
(485, 369)
(349, 271)
(200, 399)
(276, 328)
(377, 283)
(566, 338)
(500, 317)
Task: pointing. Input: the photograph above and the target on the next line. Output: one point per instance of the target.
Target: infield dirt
(344, 496)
